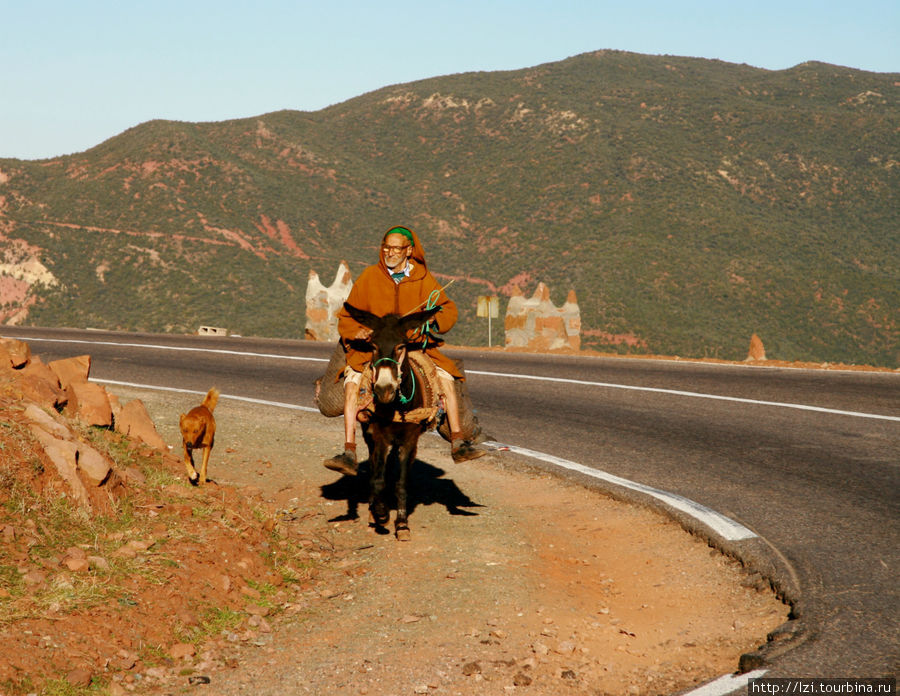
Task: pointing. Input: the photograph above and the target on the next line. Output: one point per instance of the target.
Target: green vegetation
(689, 203)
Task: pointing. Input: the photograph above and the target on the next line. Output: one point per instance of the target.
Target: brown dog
(198, 430)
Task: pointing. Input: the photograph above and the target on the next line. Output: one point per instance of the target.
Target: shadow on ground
(427, 486)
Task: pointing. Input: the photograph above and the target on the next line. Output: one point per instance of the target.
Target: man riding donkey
(400, 283)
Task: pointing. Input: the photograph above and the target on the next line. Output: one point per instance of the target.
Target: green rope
(430, 303)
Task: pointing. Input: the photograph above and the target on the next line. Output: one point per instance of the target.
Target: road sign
(488, 306)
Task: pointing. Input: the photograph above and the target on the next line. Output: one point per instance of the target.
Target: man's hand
(363, 334)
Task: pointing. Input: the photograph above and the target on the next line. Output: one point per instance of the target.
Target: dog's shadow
(426, 486)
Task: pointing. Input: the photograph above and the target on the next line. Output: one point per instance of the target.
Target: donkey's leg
(406, 456)
(378, 512)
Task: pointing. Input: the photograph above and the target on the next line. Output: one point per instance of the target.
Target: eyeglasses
(394, 249)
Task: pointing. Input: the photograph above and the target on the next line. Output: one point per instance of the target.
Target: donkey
(395, 391)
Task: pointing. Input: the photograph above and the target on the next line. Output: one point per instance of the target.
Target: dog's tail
(212, 398)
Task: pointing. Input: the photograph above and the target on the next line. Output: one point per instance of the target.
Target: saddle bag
(468, 421)
(330, 386)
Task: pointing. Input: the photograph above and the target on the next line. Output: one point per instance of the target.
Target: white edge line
(263, 402)
(183, 348)
(724, 526)
(726, 684)
(608, 385)
(697, 395)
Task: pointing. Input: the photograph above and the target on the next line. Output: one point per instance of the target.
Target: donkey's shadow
(426, 486)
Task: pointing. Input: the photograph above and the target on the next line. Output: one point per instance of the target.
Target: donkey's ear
(416, 319)
(362, 316)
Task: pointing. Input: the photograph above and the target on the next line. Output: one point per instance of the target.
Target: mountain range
(689, 203)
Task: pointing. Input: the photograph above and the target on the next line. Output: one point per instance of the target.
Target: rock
(116, 689)
(64, 456)
(133, 548)
(79, 677)
(180, 651)
(89, 403)
(51, 425)
(115, 405)
(71, 370)
(34, 577)
(39, 383)
(521, 679)
(13, 352)
(322, 304)
(134, 420)
(123, 661)
(98, 563)
(540, 649)
(566, 647)
(757, 350)
(95, 466)
(133, 475)
(471, 668)
(77, 565)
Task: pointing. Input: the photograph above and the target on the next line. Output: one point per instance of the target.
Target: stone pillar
(537, 324)
(323, 303)
(757, 350)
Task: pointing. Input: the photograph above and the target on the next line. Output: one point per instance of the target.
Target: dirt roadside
(515, 581)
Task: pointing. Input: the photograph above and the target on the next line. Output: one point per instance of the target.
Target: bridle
(403, 399)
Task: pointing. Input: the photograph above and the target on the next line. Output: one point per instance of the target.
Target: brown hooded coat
(376, 292)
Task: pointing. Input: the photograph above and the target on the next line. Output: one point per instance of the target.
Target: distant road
(809, 460)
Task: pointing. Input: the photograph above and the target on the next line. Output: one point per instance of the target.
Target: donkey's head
(389, 345)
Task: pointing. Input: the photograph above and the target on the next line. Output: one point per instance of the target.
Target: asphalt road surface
(809, 460)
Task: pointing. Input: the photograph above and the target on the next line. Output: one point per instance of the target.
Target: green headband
(402, 230)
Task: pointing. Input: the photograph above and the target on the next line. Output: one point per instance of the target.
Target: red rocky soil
(515, 581)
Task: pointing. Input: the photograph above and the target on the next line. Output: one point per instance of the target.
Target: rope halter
(403, 399)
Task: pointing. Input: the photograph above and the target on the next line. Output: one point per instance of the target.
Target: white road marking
(187, 349)
(726, 684)
(724, 526)
(279, 404)
(698, 395)
(509, 375)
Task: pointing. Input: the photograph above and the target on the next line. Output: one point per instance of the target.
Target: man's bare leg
(461, 449)
(345, 462)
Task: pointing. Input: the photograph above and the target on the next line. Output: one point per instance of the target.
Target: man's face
(396, 249)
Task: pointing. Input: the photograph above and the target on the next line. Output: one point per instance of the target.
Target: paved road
(806, 459)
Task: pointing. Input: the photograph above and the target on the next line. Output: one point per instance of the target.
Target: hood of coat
(418, 253)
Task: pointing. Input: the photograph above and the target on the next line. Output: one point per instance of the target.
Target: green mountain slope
(689, 203)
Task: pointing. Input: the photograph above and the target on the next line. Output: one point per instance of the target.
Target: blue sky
(74, 73)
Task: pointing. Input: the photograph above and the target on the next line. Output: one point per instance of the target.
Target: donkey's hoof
(402, 533)
(378, 518)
